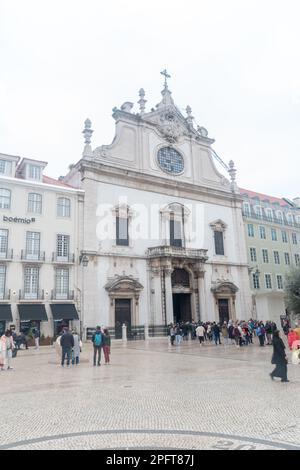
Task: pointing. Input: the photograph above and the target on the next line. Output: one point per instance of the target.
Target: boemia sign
(18, 220)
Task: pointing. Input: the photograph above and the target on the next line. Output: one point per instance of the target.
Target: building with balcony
(272, 231)
(39, 240)
(162, 226)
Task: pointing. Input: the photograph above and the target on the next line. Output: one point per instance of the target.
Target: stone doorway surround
(162, 260)
(225, 290)
(124, 287)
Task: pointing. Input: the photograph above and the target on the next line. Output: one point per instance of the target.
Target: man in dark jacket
(67, 343)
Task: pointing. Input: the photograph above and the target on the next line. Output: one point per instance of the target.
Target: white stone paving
(152, 396)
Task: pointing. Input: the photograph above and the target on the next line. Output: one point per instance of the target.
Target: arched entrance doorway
(181, 292)
(225, 293)
(124, 292)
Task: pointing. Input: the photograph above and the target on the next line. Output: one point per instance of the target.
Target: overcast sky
(236, 63)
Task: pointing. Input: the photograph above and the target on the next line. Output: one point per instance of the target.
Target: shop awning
(64, 312)
(5, 312)
(32, 312)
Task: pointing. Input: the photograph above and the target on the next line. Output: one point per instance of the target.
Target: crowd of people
(69, 346)
(240, 333)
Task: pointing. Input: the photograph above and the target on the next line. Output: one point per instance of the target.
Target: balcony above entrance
(167, 251)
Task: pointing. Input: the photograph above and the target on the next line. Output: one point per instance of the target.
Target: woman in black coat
(279, 358)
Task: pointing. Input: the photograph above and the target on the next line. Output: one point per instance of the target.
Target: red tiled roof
(262, 197)
(48, 180)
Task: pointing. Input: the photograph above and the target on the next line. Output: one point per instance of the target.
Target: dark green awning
(64, 312)
(32, 312)
(5, 312)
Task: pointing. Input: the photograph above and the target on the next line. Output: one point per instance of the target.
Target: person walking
(260, 333)
(178, 334)
(36, 335)
(279, 358)
(76, 348)
(97, 340)
(106, 345)
(225, 333)
(216, 333)
(6, 349)
(200, 333)
(67, 343)
(172, 334)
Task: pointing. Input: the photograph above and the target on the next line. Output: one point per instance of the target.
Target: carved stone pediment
(123, 283)
(225, 287)
(218, 225)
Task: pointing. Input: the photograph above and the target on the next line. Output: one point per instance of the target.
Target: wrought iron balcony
(34, 257)
(5, 295)
(6, 255)
(177, 252)
(69, 258)
(38, 295)
(273, 219)
(62, 295)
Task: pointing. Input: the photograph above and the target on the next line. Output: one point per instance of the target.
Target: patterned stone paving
(152, 396)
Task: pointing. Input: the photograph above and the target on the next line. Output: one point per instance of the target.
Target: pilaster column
(157, 294)
(202, 297)
(169, 296)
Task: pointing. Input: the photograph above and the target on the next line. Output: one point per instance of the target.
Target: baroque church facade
(161, 228)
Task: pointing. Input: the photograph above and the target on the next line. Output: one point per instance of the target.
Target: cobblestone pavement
(152, 396)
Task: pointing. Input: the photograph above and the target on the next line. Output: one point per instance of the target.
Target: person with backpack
(97, 341)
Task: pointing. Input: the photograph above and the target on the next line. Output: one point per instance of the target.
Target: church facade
(162, 229)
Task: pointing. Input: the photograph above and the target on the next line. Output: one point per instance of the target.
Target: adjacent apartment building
(272, 231)
(39, 238)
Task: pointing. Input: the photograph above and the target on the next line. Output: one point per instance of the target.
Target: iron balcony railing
(32, 256)
(62, 295)
(69, 258)
(5, 295)
(37, 295)
(273, 219)
(7, 255)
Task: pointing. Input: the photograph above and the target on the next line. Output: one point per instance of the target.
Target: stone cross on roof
(166, 75)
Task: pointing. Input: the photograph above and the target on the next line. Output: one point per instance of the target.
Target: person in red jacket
(292, 336)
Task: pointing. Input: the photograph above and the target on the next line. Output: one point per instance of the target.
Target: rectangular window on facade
(294, 238)
(5, 167)
(219, 243)
(258, 212)
(5, 196)
(3, 243)
(276, 257)
(265, 256)
(33, 245)
(34, 172)
(284, 237)
(175, 232)
(262, 232)
(287, 258)
(255, 278)
(297, 260)
(31, 282)
(2, 280)
(280, 217)
(122, 236)
(63, 247)
(246, 209)
(268, 280)
(253, 254)
(250, 230)
(63, 207)
(61, 283)
(269, 213)
(289, 219)
(279, 282)
(274, 234)
(35, 203)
